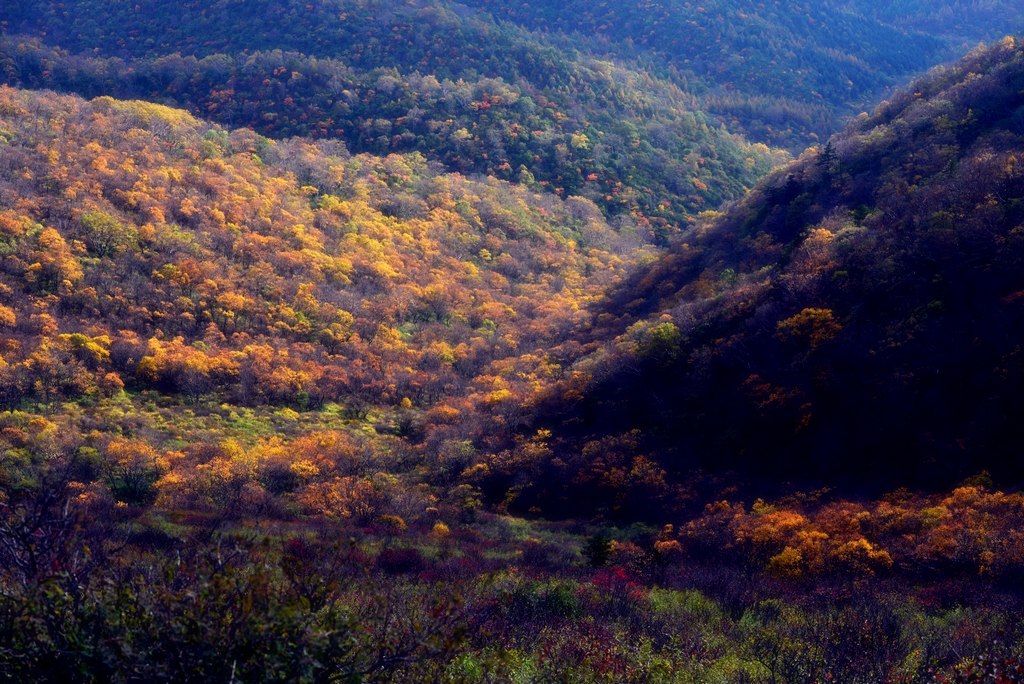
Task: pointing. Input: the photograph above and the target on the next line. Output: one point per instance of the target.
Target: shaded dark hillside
(856, 320)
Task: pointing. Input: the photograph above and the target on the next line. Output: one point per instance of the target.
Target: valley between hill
(433, 342)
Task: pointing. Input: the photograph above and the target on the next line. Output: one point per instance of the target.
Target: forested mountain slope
(143, 246)
(855, 320)
(388, 77)
(601, 100)
(782, 73)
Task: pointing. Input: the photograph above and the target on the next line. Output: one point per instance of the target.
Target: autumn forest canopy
(662, 341)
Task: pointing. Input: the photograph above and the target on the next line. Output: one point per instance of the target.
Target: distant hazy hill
(603, 100)
(857, 319)
(387, 77)
(783, 73)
